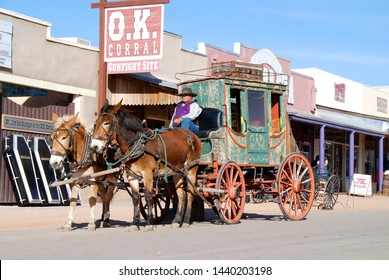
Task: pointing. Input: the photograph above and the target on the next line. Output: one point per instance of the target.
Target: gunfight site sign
(133, 39)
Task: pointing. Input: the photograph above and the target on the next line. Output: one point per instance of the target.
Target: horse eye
(64, 137)
(106, 124)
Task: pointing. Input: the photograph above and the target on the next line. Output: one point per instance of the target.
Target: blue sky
(349, 38)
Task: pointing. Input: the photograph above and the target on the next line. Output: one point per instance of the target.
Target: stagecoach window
(276, 112)
(235, 105)
(256, 106)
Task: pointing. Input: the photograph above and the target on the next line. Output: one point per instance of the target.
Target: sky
(349, 38)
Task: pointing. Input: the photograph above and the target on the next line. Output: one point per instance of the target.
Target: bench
(209, 120)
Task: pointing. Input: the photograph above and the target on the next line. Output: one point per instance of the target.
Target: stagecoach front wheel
(296, 186)
(230, 200)
(160, 203)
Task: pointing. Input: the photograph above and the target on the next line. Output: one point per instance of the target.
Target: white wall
(359, 98)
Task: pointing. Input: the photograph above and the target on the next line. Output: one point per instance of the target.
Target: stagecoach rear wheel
(331, 192)
(160, 203)
(296, 186)
(230, 204)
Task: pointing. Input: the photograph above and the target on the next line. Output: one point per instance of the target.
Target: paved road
(349, 232)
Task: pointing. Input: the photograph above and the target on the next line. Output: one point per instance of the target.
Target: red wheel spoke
(287, 177)
(298, 201)
(234, 207)
(288, 197)
(230, 204)
(296, 186)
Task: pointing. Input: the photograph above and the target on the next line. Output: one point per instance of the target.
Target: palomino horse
(149, 155)
(71, 142)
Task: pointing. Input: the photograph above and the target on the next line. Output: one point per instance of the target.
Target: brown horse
(149, 155)
(71, 142)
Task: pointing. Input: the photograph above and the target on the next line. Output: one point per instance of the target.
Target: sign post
(133, 43)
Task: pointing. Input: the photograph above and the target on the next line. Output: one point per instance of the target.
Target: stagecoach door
(257, 133)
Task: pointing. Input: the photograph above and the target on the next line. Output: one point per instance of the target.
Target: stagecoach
(248, 149)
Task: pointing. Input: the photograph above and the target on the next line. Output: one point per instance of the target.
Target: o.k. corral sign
(133, 39)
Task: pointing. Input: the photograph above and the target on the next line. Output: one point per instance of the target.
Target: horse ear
(73, 120)
(54, 117)
(117, 107)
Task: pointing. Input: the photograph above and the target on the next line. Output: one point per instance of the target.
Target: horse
(71, 143)
(149, 155)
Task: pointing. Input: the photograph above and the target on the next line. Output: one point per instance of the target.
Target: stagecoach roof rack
(237, 69)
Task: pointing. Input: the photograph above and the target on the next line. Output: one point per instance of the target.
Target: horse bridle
(66, 150)
(109, 138)
(87, 155)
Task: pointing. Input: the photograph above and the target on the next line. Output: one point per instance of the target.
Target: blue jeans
(187, 123)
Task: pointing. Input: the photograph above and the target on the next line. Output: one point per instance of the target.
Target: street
(357, 228)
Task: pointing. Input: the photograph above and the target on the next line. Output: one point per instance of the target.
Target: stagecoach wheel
(331, 192)
(296, 186)
(160, 204)
(230, 204)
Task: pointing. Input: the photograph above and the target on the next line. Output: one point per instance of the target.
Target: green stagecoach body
(254, 126)
(249, 152)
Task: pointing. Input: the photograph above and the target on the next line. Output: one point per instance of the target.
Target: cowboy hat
(187, 90)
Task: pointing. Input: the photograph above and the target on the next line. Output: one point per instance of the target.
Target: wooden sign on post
(103, 5)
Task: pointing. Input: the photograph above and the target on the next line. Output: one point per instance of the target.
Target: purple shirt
(189, 110)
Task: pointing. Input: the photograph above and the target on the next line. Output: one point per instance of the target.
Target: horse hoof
(106, 225)
(148, 228)
(66, 228)
(133, 228)
(91, 227)
(175, 225)
(185, 225)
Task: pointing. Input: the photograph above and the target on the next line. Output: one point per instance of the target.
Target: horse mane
(128, 120)
(61, 121)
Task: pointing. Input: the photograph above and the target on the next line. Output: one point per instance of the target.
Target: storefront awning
(147, 77)
(142, 89)
(338, 120)
(45, 85)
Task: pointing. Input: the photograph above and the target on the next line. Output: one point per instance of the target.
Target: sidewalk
(14, 217)
(353, 202)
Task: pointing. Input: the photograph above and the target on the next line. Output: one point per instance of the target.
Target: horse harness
(87, 154)
(137, 148)
(111, 136)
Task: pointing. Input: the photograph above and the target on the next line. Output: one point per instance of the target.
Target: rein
(137, 144)
(138, 148)
(87, 154)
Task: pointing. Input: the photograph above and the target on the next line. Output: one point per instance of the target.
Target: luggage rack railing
(236, 69)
